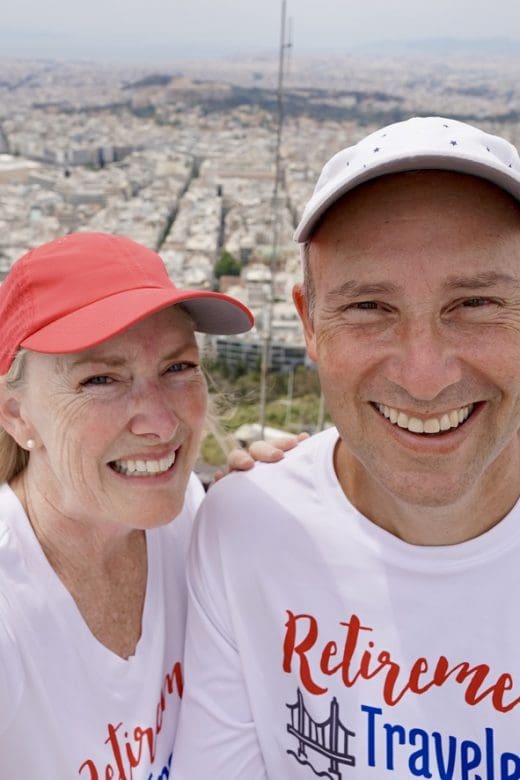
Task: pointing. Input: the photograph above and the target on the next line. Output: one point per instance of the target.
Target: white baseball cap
(420, 143)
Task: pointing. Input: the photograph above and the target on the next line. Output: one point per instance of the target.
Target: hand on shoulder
(259, 451)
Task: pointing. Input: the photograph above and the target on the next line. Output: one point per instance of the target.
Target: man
(354, 609)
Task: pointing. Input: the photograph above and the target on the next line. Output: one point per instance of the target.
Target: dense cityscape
(182, 158)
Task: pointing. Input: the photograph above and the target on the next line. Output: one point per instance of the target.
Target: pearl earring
(30, 444)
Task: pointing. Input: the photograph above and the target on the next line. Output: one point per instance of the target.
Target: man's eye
(366, 305)
(476, 301)
(363, 306)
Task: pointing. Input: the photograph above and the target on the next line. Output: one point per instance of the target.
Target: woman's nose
(153, 415)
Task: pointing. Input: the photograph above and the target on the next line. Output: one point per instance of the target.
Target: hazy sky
(167, 29)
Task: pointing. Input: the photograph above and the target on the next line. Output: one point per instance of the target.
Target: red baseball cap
(80, 290)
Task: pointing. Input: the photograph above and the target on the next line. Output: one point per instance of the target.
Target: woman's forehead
(160, 335)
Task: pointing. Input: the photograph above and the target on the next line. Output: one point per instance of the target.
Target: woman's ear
(11, 417)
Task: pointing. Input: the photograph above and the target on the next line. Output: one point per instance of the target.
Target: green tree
(227, 265)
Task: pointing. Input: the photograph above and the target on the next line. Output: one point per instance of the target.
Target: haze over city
(160, 31)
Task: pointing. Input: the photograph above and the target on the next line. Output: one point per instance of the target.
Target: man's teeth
(433, 425)
(143, 468)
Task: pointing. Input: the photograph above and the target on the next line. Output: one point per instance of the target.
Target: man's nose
(425, 361)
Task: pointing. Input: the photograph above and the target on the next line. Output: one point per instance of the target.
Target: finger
(265, 452)
(240, 460)
(289, 442)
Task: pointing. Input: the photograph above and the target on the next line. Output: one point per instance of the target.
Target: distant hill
(444, 46)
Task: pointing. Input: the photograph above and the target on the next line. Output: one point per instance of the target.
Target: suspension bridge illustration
(329, 738)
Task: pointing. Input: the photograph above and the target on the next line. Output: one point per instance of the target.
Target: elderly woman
(102, 406)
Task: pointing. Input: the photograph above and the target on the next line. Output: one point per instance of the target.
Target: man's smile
(444, 422)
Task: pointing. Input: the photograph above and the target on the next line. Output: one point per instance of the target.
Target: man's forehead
(403, 193)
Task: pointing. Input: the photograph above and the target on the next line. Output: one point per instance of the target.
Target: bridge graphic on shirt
(329, 738)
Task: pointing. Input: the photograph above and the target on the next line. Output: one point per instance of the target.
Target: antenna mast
(278, 176)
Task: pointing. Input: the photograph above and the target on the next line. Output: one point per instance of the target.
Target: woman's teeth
(445, 422)
(143, 468)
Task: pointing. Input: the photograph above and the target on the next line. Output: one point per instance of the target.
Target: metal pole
(290, 393)
(268, 310)
(321, 412)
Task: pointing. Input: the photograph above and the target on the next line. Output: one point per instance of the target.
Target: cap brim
(338, 187)
(93, 324)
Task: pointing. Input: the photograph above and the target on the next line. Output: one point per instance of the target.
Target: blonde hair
(13, 458)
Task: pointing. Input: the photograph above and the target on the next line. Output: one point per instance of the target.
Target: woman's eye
(176, 368)
(100, 379)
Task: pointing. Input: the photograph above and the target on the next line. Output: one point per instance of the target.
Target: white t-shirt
(318, 644)
(69, 707)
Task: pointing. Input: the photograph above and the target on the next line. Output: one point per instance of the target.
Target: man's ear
(11, 418)
(302, 307)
